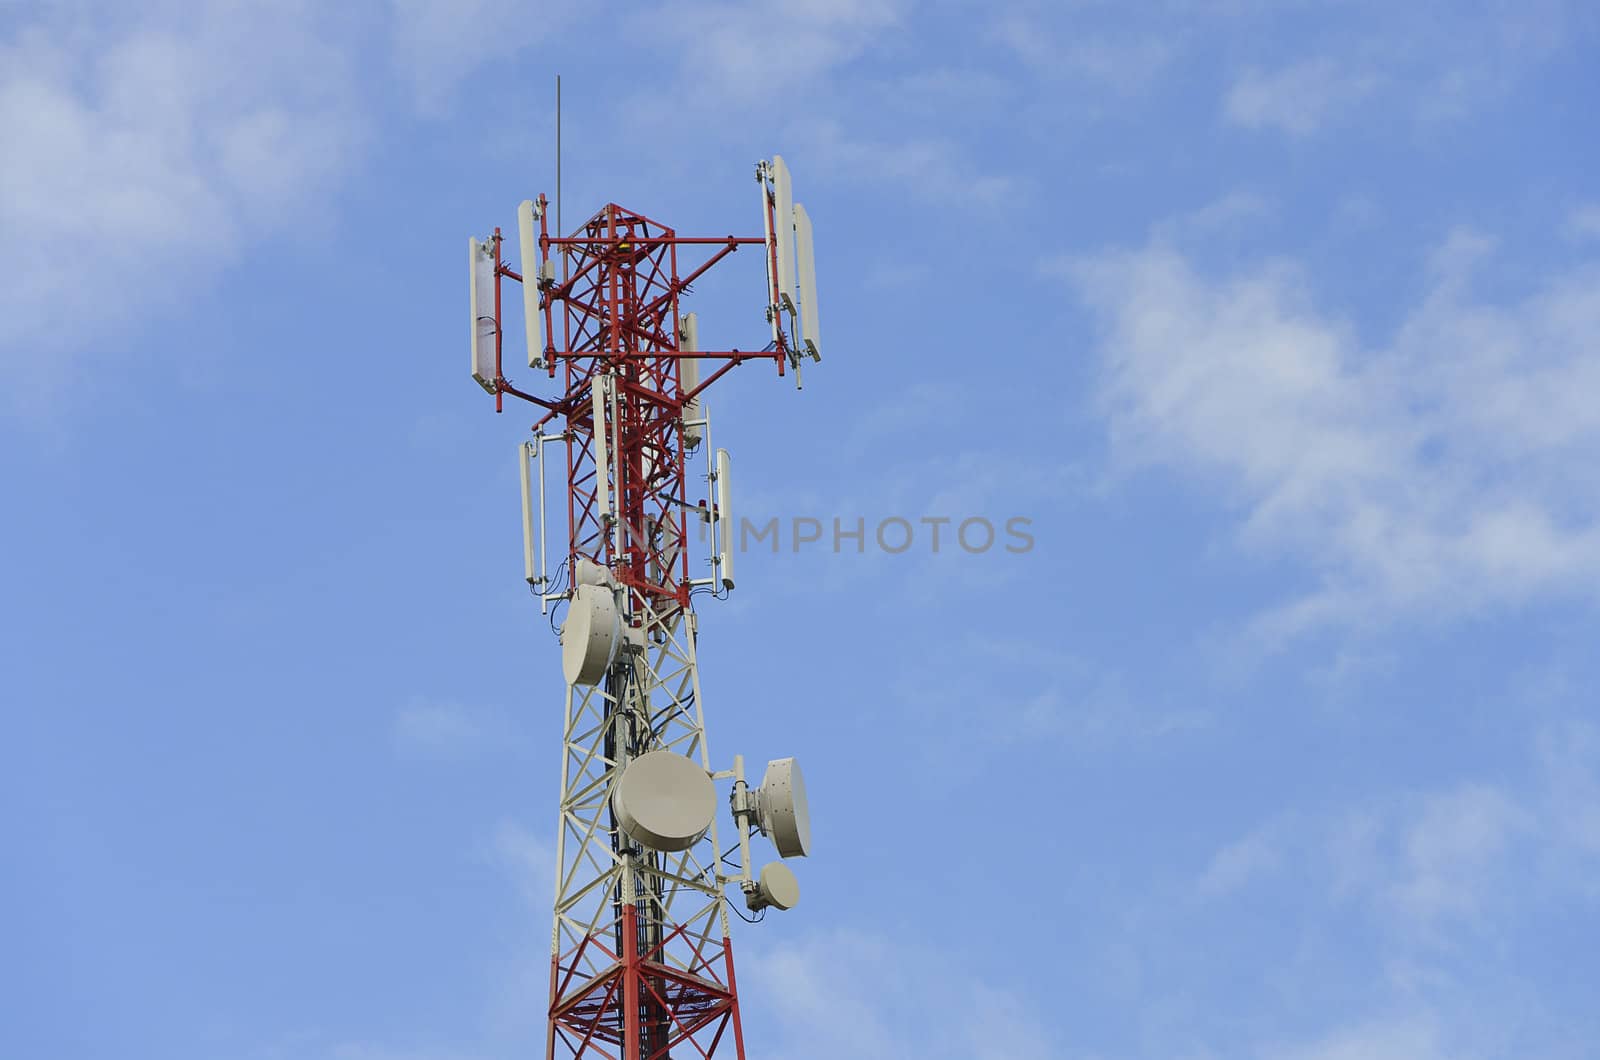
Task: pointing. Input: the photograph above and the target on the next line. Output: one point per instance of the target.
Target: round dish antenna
(781, 809)
(664, 801)
(590, 636)
(776, 887)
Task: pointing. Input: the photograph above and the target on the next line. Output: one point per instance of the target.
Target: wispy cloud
(748, 53)
(1122, 63)
(1243, 861)
(1569, 756)
(1431, 894)
(1406, 1037)
(142, 153)
(856, 996)
(1057, 700)
(530, 861)
(1297, 99)
(1456, 839)
(1584, 222)
(1431, 864)
(446, 731)
(439, 47)
(1448, 470)
(928, 168)
(355, 1050)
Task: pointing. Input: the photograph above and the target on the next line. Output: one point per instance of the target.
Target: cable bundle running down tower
(641, 961)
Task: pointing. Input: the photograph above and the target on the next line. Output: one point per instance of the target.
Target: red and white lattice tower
(641, 962)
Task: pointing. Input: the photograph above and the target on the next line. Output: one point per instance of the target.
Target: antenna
(769, 259)
(602, 465)
(776, 887)
(689, 369)
(529, 250)
(480, 262)
(782, 811)
(591, 635)
(725, 526)
(559, 230)
(665, 801)
(526, 453)
(779, 811)
(810, 332)
(783, 210)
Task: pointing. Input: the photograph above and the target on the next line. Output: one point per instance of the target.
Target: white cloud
(1451, 469)
(141, 155)
(1297, 99)
(1430, 865)
(1231, 213)
(747, 53)
(530, 859)
(1452, 849)
(438, 47)
(1367, 55)
(376, 1051)
(1240, 863)
(854, 996)
(446, 731)
(1122, 62)
(1403, 1038)
(1059, 700)
(1584, 222)
(1570, 758)
(1415, 906)
(927, 168)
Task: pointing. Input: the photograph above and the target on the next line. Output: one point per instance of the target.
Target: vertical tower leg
(641, 964)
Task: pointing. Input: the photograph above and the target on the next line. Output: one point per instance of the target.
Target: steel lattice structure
(641, 961)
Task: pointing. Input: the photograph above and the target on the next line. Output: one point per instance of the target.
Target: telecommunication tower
(641, 962)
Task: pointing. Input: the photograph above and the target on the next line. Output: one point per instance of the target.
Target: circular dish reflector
(590, 636)
(664, 801)
(785, 817)
(776, 886)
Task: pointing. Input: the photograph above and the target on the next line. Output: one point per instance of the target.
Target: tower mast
(641, 962)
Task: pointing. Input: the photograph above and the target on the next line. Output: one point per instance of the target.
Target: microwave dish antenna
(781, 808)
(776, 886)
(590, 636)
(665, 801)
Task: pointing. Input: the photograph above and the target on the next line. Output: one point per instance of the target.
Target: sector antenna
(647, 869)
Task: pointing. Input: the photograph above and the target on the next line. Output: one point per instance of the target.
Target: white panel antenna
(689, 342)
(783, 195)
(725, 524)
(534, 319)
(535, 570)
(526, 454)
(763, 172)
(481, 264)
(806, 282)
(602, 462)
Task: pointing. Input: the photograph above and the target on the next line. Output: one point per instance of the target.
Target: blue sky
(1277, 320)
